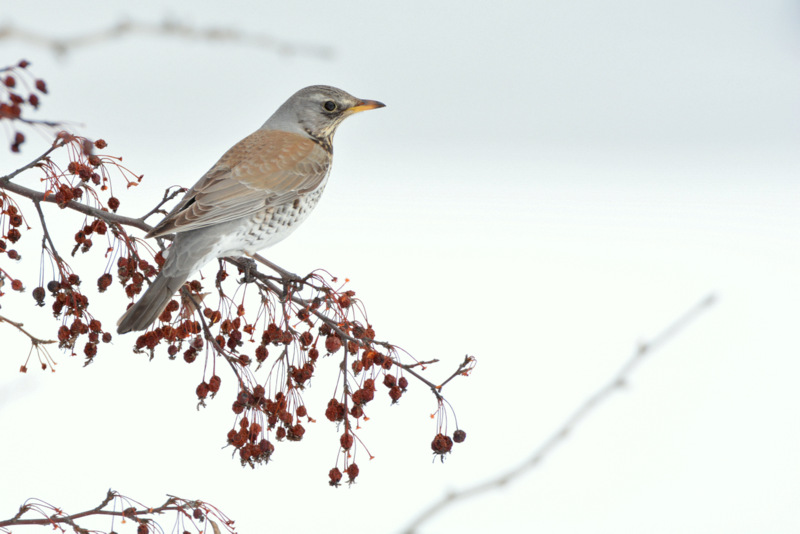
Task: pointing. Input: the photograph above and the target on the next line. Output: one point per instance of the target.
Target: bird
(253, 197)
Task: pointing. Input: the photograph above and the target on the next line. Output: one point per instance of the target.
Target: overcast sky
(549, 184)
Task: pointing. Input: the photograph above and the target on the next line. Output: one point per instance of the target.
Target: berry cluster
(85, 180)
(19, 90)
(300, 323)
(11, 221)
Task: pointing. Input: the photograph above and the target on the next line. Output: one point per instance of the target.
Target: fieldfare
(253, 197)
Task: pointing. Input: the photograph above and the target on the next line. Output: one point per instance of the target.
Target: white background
(549, 184)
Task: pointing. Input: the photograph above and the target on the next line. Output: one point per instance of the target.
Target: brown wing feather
(265, 169)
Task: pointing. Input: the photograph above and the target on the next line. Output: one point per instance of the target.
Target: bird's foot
(248, 269)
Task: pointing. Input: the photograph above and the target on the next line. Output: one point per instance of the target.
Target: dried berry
(335, 411)
(214, 383)
(190, 355)
(13, 236)
(352, 472)
(333, 343)
(38, 295)
(441, 444)
(306, 339)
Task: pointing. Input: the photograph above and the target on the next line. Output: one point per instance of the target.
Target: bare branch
(7, 178)
(19, 326)
(168, 195)
(617, 382)
(186, 511)
(46, 233)
(167, 28)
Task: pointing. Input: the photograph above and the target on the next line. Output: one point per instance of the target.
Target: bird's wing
(266, 168)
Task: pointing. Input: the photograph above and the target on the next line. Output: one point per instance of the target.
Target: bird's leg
(249, 268)
(286, 275)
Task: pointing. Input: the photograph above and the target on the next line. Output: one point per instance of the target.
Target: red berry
(214, 383)
(352, 472)
(346, 441)
(333, 343)
(14, 236)
(441, 444)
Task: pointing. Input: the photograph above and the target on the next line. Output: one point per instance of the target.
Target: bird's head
(317, 111)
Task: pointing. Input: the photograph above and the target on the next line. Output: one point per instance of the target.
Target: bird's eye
(329, 105)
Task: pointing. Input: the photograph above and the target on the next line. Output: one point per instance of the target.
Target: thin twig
(572, 422)
(209, 336)
(19, 326)
(46, 233)
(168, 195)
(7, 178)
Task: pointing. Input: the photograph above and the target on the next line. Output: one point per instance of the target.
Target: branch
(35, 341)
(167, 28)
(340, 320)
(7, 178)
(288, 277)
(125, 508)
(46, 232)
(168, 195)
(617, 383)
(109, 217)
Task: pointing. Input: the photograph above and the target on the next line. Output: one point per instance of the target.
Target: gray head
(316, 111)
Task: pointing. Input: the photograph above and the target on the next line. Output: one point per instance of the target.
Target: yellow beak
(364, 105)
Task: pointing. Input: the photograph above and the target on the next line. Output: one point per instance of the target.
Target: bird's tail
(152, 303)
